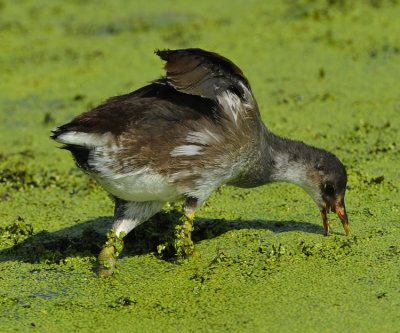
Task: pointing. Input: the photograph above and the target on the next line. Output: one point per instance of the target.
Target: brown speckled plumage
(188, 133)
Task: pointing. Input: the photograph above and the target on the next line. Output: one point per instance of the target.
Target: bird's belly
(141, 185)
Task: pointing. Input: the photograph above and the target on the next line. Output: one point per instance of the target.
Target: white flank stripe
(186, 150)
(205, 137)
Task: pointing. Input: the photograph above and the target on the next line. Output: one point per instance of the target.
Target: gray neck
(289, 167)
(279, 159)
(295, 162)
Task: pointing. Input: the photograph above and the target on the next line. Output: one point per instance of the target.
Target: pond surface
(325, 72)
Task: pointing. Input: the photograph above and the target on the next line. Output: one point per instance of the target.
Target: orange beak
(340, 211)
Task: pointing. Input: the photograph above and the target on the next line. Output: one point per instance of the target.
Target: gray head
(320, 173)
(328, 179)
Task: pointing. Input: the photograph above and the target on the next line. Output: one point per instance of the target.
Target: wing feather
(203, 73)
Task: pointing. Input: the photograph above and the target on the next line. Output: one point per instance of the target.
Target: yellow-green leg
(127, 216)
(108, 255)
(185, 245)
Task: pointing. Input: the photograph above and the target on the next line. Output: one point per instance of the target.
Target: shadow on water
(86, 239)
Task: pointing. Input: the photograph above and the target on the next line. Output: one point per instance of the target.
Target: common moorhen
(185, 135)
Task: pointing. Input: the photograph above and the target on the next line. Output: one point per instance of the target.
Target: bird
(183, 136)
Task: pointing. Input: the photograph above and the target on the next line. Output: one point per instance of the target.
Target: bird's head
(328, 188)
(321, 174)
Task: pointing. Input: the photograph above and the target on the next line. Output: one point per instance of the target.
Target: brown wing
(203, 73)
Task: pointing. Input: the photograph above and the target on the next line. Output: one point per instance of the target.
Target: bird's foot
(184, 244)
(108, 255)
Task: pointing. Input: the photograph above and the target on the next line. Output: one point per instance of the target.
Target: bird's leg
(185, 235)
(127, 216)
(111, 250)
(114, 245)
(325, 221)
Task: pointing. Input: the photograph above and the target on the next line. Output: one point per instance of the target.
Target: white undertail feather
(85, 139)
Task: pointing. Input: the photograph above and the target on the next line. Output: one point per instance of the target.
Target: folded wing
(203, 73)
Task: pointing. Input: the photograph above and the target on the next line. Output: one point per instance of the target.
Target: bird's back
(189, 128)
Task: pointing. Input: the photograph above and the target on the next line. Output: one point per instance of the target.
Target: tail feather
(56, 132)
(80, 154)
(78, 143)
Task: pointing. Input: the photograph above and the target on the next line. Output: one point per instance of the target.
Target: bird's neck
(287, 162)
(294, 162)
(279, 159)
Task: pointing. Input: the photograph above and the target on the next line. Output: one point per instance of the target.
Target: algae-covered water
(326, 72)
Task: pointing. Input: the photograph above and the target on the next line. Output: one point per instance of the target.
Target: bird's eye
(329, 189)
